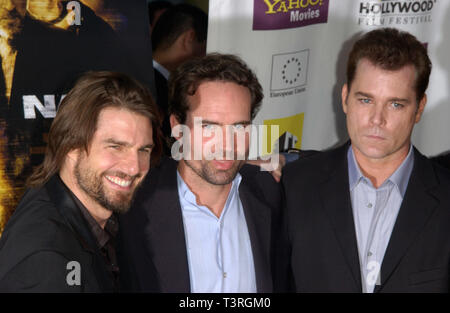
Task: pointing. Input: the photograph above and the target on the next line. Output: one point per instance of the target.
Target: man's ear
(188, 39)
(70, 162)
(344, 95)
(421, 107)
(73, 155)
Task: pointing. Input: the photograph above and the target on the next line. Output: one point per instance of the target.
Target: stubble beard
(92, 184)
(214, 176)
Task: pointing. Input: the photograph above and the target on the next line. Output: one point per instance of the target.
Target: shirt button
(369, 253)
(369, 205)
(224, 275)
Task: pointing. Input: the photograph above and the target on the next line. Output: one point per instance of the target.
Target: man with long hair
(61, 237)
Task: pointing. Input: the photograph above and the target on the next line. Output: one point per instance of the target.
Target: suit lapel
(258, 219)
(335, 195)
(165, 232)
(417, 207)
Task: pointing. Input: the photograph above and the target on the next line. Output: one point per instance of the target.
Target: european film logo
(289, 70)
(281, 14)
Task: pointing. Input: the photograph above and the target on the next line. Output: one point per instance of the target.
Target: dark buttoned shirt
(106, 239)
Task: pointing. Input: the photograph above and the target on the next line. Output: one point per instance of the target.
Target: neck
(211, 196)
(98, 212)
(378, 170)
(167, 59)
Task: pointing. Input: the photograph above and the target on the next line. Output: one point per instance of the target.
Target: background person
(178, 36)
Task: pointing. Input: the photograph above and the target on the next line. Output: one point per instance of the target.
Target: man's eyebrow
(367, 95)
(246, 122)
(363, 94)
(116, 142)
(149, 146)
(399, 100)
(210, 122)
(126, 144)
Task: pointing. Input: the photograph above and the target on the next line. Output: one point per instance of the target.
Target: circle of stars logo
(291, 70)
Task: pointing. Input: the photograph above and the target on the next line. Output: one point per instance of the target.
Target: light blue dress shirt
(219, 251)
(165, 72)
(375, 211)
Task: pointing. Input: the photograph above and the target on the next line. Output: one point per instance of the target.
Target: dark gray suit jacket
(320, 226)
(152, 242)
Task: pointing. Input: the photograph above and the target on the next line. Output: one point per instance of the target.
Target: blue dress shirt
(219, 251)
(375, 211)
(164, 72)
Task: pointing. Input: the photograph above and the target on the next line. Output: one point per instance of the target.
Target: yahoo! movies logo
(280, 14)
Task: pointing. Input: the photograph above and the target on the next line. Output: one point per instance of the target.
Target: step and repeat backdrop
(299, 49)
(44, 46)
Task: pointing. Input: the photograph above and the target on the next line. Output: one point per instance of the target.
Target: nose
(131, 164)
(377, 115)
(229, 143)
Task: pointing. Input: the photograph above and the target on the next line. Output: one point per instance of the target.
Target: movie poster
(44, 46)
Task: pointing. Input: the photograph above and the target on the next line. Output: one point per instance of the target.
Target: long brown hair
(76, 120)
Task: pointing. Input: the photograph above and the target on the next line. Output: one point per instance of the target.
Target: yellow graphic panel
(290, 130)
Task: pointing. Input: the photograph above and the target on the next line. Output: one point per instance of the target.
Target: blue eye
(397, 105)
(239, 127)
(209, 126)
(365, 100)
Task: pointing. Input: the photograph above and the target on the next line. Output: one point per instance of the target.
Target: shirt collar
(165, 72)
(399, 178)
(184, 190)
(186, 194)
(102, 235)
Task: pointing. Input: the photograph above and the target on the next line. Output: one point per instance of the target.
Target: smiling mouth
(118, 181)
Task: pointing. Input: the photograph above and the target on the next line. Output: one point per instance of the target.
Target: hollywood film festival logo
(391, 13)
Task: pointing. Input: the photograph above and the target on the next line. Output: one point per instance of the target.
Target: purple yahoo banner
(280, 14)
